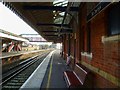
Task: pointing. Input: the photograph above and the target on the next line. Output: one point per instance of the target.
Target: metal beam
(53, 39)
(57, 8)
(29, 34)
(51, 35)
(66, 11)
(48, 24)
(49, 31)
(62, 31)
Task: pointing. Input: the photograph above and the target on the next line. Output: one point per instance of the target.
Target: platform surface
(54, 75)
(48, 75)
(36, 78)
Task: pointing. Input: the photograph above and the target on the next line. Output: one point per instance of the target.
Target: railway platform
(49, 74)
(89, 34)
(16, 53)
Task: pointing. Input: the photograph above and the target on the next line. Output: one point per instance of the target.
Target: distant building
(33, 37)
(10, 41)
(53, 46)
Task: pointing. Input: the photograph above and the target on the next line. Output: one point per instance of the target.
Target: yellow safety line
(49, 75)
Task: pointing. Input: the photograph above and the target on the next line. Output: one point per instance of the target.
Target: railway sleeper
(19, 78)
(17, 81)
(13, 83)
(11, 86)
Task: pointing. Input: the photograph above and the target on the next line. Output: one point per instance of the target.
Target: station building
(92, 36)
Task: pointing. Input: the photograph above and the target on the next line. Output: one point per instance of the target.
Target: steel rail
(23, 65)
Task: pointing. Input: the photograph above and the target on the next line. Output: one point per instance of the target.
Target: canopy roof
(7, 36)
(47, 18)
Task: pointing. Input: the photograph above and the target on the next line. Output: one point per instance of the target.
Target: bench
(77, 77)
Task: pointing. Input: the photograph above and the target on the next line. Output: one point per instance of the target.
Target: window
(68, 44)
(82, 39)
(88, 38)
(114, 20)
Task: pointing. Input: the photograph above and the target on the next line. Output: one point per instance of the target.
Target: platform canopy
(47, 18)
(8, 36)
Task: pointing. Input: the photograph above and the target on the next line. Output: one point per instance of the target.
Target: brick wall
(102, 82)
(105, 56)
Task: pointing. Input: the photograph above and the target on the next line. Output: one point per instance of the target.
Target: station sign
(97, 9)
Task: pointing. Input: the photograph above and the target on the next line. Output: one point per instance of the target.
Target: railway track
(16, 76)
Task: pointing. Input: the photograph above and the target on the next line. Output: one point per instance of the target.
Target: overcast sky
(12, 23)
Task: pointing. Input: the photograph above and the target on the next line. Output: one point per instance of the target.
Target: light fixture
(55, 15)
(54, 11)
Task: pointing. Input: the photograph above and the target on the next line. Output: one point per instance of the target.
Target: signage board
(97, 9)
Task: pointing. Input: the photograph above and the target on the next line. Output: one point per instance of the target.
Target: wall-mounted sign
(97, 9)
